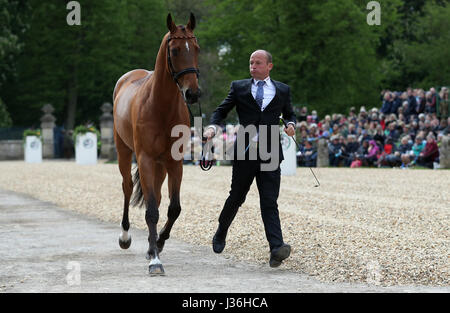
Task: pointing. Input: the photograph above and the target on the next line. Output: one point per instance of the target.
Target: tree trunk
(72, 98)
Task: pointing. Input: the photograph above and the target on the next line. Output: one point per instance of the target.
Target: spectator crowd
(406, 131)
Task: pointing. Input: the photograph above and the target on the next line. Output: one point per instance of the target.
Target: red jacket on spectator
(431, 150)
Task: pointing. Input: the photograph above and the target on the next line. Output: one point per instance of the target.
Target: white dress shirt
(269, 91)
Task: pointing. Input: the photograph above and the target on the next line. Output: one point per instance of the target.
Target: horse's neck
(162, 86)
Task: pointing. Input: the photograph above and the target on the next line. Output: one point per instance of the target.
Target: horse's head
(182, 58)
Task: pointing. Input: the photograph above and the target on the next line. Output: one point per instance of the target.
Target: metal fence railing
(12, 133)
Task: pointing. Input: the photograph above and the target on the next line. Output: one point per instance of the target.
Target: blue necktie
(260, 93)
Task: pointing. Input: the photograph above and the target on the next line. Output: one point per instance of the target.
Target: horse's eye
(174, 52)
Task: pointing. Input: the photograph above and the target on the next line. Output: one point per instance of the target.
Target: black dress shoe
(218, 241)
(279, 254)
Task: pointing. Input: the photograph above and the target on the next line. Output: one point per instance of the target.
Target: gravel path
(384, 227)
(56, 250)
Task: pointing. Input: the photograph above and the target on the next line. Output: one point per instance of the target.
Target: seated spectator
(310, 154)
(335, 151)
(430, 153)
(350, 150)
(363, 150)
(372, 153)
(410, 158)
(379, 135)
(356, 163)
(387, 156)
(391, 131)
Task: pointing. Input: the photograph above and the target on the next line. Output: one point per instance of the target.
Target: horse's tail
(138, 196)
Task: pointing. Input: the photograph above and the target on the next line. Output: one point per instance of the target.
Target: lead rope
(205, 163)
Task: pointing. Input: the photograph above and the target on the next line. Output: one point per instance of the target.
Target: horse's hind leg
(152, 176)
(124, 155)
(175, 173)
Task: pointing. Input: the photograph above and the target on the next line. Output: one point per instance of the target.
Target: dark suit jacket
(249, 112)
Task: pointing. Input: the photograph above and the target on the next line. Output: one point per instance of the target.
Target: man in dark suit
(259, 102)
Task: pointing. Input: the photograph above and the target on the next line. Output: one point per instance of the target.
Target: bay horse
(147, 105)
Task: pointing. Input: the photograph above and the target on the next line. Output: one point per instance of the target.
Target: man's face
(259, 66)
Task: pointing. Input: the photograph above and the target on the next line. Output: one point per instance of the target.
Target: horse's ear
(191, 24)
(170, 24)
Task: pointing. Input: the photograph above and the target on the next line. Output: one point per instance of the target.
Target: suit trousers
(268, 183)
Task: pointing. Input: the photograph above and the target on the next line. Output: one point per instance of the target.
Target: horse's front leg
(151, 217)
(175, 173)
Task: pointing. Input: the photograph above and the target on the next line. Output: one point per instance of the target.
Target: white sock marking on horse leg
(124, 234)
(155, 261)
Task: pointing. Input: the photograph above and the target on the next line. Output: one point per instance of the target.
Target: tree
(13, 24)
(75, 68)
(324, 50)
(423, 59)
(5, 119)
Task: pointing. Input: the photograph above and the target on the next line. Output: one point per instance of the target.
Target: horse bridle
(175, 74)
(204, 163)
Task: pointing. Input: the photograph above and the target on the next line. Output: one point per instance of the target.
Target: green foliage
(75, 68)
(324, 50)
(12, 25)
(32, 132)
(425, 59)
(83, 129)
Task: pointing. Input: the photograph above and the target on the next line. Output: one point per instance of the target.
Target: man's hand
(209, 133)
(290, 130)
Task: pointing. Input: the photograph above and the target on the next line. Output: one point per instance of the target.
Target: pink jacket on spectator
(374, 151)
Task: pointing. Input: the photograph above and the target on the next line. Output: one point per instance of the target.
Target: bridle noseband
(176, 75)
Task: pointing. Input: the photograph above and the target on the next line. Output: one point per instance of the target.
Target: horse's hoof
(156, 270)
(125, 244)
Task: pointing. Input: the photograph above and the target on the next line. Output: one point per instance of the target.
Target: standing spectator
(315, 117)
(412, 102)
(303, 114)
(421, 102)
(396, 102)
(429, 106)
(443, 106)
(387, 104)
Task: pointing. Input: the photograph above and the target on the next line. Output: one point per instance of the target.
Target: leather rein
(205, 164)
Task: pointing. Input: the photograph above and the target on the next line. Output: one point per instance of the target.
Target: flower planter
(289, 165)
(33, 149)
(86, 148)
